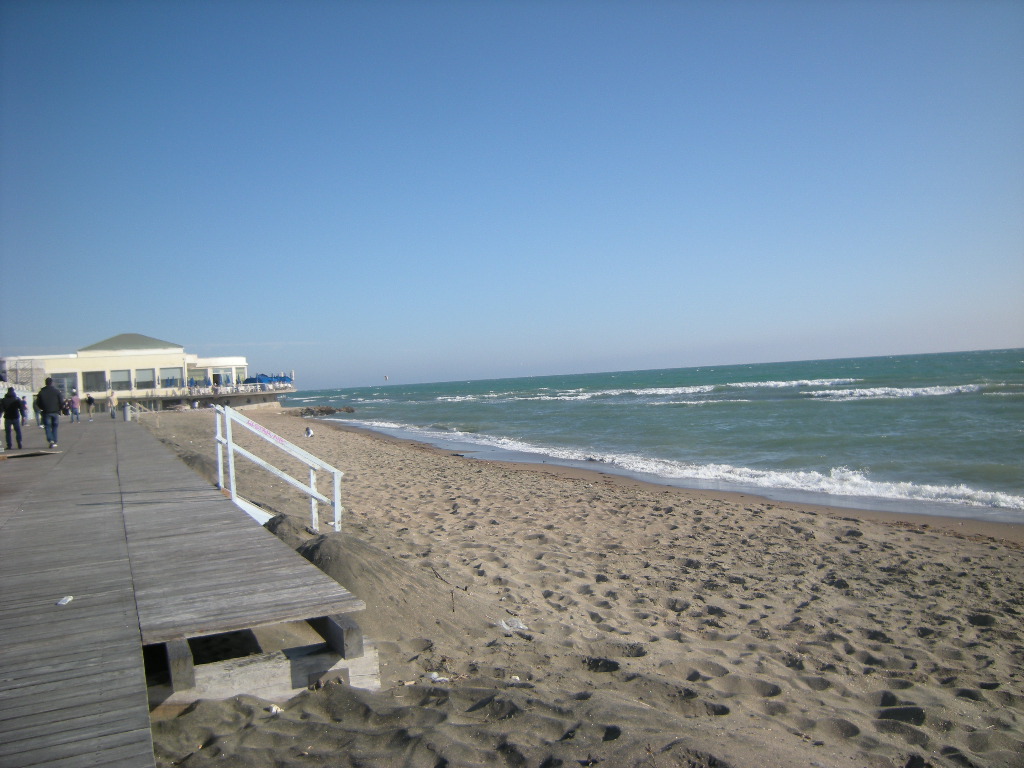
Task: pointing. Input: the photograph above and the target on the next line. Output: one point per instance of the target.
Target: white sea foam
(577, 394)
(580, 394)
(382, 425)
(642, 392)
(839, 481)
(792, 384)
(891, 393)
(700, 402)
(703, 389)
(565, 396)
(506, 397)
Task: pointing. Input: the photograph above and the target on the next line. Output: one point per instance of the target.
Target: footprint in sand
(908, 733)
(774, 708)
(736, 685)
(711, 668)
(816, 683)
(883, 699)
(837, 728)
(992, 741)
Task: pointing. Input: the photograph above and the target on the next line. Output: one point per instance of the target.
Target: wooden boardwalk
(150, 553)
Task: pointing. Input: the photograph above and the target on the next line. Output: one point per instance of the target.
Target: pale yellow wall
(132, 360)
(135, 360)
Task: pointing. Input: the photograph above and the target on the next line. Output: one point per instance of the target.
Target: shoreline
(1006, 531)
(900, 505)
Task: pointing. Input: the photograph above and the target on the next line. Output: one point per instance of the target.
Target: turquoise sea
(933, 434)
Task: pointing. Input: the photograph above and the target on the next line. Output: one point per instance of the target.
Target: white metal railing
(184, 391)
(135, 409)
(224, 439)
(239, 389)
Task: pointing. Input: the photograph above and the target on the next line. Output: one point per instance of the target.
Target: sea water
(934, 434)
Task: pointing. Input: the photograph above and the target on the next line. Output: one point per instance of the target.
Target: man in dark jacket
(50, 401)
(15, 411)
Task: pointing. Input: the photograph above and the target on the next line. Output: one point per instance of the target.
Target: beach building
(141, 370)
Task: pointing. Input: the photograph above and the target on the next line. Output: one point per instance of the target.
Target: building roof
(129, 341)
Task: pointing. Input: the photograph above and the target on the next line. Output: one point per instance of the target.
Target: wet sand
(540, 616)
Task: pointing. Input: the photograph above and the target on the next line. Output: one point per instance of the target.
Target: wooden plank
(201, 565)
(57, 695)
(119, 748)
(151, 553)
(72, 688)
(111, 752)
(60, 662)
(78, 723)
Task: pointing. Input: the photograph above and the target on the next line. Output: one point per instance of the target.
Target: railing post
(312, 502)
(220, 448)
(231, 457)
(337, 501)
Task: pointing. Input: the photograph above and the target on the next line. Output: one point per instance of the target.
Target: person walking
(50, 402)
(90, 404)
(112, 404)
(76, 405)
(15, 411)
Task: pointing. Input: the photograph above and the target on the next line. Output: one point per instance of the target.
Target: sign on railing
(224, 439)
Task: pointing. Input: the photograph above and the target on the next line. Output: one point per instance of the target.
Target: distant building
(155, 373)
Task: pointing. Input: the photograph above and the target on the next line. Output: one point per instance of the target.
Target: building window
(145, 378)
(65, 382)
(121, 380)
(170, 377)
(95, 381)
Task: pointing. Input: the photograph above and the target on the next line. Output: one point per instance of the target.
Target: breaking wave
(891, 393)
(643, 392)
(839, 481)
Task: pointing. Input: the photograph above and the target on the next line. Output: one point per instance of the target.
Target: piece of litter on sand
(65, 600)
(438, 679)
(512, 625)
(274, 709)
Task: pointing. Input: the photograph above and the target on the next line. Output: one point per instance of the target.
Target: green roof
(129, 341)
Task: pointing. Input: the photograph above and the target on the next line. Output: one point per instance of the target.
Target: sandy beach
(531, 615)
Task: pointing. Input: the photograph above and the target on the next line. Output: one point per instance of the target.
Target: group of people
(49, 404)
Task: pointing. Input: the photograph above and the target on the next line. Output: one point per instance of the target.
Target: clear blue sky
(462, 190)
